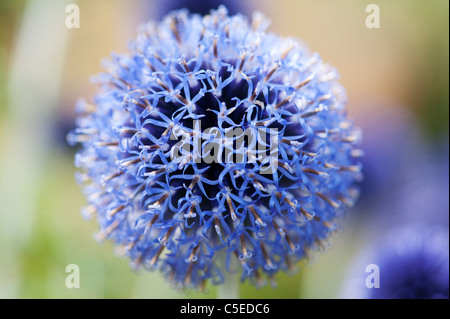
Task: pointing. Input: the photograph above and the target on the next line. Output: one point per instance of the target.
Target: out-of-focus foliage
(9, 21)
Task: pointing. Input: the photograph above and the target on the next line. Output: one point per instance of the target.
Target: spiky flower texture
(183, 77)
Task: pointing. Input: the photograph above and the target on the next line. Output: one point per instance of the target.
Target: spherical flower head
(214, 137)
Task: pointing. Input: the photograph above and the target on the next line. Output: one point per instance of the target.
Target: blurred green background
(45, 68)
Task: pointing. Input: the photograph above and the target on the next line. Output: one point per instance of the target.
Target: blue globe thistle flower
(200, 6)
(389, 133)
(184, 76)
(413, 264)
(418, 267)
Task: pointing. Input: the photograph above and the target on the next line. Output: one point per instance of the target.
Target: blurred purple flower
(419, 197)
(405, 176)
(390, 137)
(413, 264)
(202, 7)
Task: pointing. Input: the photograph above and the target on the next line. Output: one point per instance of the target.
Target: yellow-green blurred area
(45, 68)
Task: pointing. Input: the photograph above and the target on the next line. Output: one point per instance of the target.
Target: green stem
(230, 288)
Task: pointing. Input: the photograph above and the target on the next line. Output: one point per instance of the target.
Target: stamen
(156, 172)
(266, 256)
(286, 52)
(290, 243)
(159, 58)
(351, 168)
(328, 200)
(324, 97)
(152, 221)
(346, 202)
(167, 235)
(82, 178)
(116, 210)
(356, 153)
(213, 79)
(174, 27)
(156, 256)
(182, 99)
(287, 200)
(86, 131)
(286, 166)
(136, 192)
(309, 154)
(149, 147)
(327, 224)
(127, 84)
(315, 172)
(306, 214)
(254, 94)
(157, 204)
(329, 165)
(279, 229)
(128, 130)
(227, 31)
(111, 227)
(89, 211)
(350, 139)
(262, 123)
(217, 225)
(313, 112)
(230, 207)
(185, 65)
(256, 21)
(244, 247)
(276, 67)
(285, 101)
(241, 65)
(186, 160)
(305, 81)
(258, 185)
(87, 107)
(140, 104)
(191, 213)
(127, 163)
(107, 144)
(237, 256)
(108, 230)
(194, 181)
(215, 48)
(257, 217)
(161, 84)
(131, 245)
(110, 177)
(149, 65)
(192, 257)
(202, 34)
(289, 142)
(167, 130)
(94, 196)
